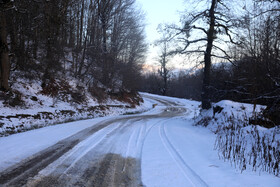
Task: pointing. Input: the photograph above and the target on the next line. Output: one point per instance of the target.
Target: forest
(101, 43)
(96, 42)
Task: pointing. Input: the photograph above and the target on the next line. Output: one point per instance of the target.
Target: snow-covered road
(156, 148)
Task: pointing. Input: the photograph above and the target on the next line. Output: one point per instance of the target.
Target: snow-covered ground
(29, 107)
(177, 153)
(16, 147)
(171, 150)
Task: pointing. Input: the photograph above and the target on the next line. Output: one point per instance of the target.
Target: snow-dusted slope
(29, 106)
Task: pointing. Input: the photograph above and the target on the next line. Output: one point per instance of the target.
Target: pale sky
(168, 11)
(157, 12)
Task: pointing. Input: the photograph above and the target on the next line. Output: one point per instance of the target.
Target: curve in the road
(21, 173)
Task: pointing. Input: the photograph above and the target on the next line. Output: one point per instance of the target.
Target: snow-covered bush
(247, 146)
(244, 145)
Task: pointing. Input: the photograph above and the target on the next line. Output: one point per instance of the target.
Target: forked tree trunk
(4, 54)
(205, 95)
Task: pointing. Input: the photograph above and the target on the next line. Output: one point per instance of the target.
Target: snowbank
(244, 145)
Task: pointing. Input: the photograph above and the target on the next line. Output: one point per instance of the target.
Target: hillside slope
(29, 104)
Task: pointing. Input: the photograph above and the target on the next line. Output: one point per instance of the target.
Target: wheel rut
(109, 169)
(18, 174)
(190, 175)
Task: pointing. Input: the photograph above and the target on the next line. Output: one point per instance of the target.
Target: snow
(180, 146)
(173, 152)
(20, 146)
(193, 147)
(17, 147)
(176, 153)
(46, 110)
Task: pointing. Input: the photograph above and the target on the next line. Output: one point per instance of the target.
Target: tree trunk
(164, 74)
(4, 54)
(82, 24)
(205, 95)
(82, 63)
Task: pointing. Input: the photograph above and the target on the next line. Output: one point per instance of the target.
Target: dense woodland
(99, 42)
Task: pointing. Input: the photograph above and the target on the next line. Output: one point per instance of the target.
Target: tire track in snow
(129, 145)
(19, 174)
(133, 136)
(188, 172)
(68, 160)
(104, 141)
(165, 102)
(139, 135)
(84, 149)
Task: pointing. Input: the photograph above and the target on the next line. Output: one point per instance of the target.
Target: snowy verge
(177, 152)
(245, 146)
(29, 106)
(12, 124)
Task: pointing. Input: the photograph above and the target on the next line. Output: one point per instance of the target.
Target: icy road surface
(156, 148)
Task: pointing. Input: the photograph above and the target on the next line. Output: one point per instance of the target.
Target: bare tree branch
(200, 28)
(226, 28)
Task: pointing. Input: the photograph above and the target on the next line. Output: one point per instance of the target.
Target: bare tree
(4, 50)
(92, 40)
(208, 25)
(164, 43)
(116, 41)
(259, 54)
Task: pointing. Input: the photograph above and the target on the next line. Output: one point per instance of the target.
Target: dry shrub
(244, 145)
(12, 98)
(61, 90)
(203, 121)
(132, 98)
(98, 93)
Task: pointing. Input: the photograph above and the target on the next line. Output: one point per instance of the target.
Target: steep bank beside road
(29, 106)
